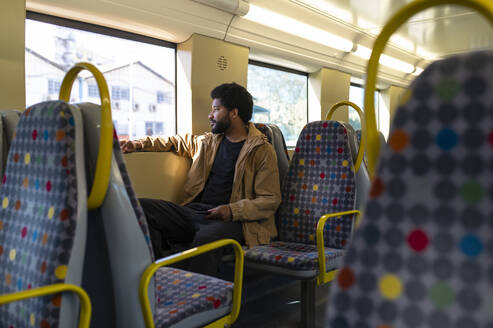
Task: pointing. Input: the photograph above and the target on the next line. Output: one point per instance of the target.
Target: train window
(280, 97)
(356, 95)
(140, 71)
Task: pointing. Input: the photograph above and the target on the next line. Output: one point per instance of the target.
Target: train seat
(276, 138)
(8, 123)
(176, 298)
(362, 175)
(423, 255)
(43, 219)
(320, 180)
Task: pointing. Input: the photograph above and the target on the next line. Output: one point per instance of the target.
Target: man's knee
(203, 238)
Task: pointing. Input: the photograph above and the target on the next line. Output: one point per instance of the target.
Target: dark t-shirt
(217, 190)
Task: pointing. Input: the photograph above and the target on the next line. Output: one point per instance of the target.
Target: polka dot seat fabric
(181, 294)
(423, 256)
(320, 180)
(265, 130)
(43, 215)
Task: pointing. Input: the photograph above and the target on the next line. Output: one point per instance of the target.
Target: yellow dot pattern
(51, 212)
(319, 137)
(345, 163)
(27, 158)
(315, 187)
(390, 286)
(195, 295)
(61, 271)
(12, 254)
(296, 211)
(32, 319)
(302, 162)
(5, 202)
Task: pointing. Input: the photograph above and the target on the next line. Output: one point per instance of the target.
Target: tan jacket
(256, 194)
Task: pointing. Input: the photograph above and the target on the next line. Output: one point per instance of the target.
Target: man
(232, 189)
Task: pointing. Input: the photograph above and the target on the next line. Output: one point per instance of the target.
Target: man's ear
(234, 113)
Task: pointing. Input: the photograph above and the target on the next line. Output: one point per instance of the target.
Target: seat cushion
(182, 294)
(294, 256)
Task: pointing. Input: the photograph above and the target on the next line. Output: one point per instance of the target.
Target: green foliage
(284, 95)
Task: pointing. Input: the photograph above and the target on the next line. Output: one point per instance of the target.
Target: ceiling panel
(441, 30)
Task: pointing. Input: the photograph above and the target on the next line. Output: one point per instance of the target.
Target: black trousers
(174, 228)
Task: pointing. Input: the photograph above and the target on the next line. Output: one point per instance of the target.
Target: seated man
(232, 189)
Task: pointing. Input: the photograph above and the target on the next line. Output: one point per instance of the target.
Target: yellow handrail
(85, 302)
(484, 7)
(362, 144)
(323, 276)
(103, 163)
(238, 280)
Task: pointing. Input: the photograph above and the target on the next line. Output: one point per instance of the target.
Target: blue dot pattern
(423, 256)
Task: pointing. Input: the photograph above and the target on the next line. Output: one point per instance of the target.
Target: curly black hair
(233, 96)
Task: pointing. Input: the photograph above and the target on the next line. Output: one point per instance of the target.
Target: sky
(113, 51)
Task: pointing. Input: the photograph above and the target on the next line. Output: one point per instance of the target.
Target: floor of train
(271, 301)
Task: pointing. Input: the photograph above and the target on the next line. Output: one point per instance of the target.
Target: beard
(221, 126)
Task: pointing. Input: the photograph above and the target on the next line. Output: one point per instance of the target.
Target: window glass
(357, 96)
(279, 97)
(139, 75)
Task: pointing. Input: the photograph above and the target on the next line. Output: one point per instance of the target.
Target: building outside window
(280, 97)
(54, 86)
(92, 90)
(136, 69)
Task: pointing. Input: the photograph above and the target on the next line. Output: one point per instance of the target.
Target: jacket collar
(254, 137)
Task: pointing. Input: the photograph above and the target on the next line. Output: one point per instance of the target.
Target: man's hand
(129, 146)
(222, 212)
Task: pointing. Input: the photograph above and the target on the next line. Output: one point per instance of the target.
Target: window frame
(288, 70)
(377, 114)
(108, 31)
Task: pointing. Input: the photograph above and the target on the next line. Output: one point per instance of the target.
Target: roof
(119, 67)
(43, 58)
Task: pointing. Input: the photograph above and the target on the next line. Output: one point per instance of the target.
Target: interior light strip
(295, 27)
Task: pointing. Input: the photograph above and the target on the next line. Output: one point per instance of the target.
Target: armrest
(85, 302)
(151, 270)
(323, 278)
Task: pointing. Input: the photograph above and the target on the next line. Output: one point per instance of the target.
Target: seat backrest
(281, 150)
(276, 138)
(320, 180)
(266, 130)
(362, 176)
(279, 141)
(8, 123)
(423, 255)
(128, 247)
(43, 215)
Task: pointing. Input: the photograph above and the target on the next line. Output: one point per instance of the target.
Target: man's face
(219, 117)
